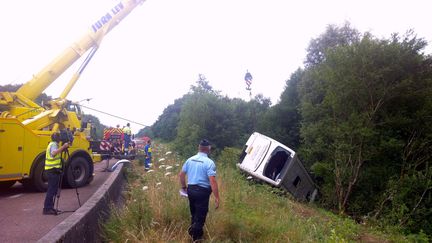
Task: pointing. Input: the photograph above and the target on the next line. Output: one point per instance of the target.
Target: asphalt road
(21, 218)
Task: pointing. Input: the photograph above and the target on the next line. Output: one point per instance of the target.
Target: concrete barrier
(84, 225)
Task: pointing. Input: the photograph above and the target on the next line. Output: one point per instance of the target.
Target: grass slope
(249, 212)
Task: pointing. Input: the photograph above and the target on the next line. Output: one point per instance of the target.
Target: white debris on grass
(161, 166)
(150, 171)
(159, 183)
(168, 168)
(162, 159)
(169, 152)
(168, 173)
(145, 188)
(249, 177)
(177, 164)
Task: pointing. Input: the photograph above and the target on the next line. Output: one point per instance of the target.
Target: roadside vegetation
(249, 212)
(358, 114)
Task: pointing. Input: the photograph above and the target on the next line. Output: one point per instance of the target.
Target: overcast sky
(156, 53)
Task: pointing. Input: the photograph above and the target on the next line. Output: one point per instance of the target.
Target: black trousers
(198, 205)
(53, 184)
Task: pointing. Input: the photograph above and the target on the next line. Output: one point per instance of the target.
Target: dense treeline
(358, 113)
(366, 112)
(203, 112)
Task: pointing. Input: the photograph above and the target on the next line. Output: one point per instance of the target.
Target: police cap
(204, 142)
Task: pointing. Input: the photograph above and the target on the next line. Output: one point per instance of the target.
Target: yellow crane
(26, 127)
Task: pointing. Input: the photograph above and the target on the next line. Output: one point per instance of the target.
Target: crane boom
(92, 38)
(26, 127)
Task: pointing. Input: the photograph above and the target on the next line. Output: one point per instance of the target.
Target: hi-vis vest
(51, 162)
(148, 150)
(127, 131)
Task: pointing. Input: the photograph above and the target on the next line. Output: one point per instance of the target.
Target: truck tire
(6, 184)
(90, 179)
(78, 172)
(38, 180)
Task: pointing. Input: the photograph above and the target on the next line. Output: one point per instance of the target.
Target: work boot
(49, 211)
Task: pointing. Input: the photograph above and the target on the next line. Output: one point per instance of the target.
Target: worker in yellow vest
(53, 169)
(127, 132)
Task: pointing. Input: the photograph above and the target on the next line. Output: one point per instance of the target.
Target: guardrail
(84, 225)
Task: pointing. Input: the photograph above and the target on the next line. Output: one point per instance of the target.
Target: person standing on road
(148, 155)
(201, 182)
(53, 167)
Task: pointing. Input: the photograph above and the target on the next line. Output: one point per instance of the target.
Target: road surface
(21, 218)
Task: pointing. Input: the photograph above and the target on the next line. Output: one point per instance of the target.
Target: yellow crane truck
(26, 127)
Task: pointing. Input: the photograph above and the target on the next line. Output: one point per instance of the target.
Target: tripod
(66, 153)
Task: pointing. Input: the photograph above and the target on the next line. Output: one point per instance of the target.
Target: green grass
(249, 211)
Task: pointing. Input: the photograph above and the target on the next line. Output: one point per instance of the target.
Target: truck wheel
(6, 184)
(90, 179)
(38, 181)
(78, 172)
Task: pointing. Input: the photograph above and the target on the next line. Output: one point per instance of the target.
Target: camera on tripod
(66, 136)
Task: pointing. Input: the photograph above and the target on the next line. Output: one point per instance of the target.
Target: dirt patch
(303, 211)
(368, 238)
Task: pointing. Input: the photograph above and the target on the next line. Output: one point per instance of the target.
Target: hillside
(249, 212)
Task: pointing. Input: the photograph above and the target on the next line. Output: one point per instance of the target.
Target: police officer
(201, 182)
(53, 167)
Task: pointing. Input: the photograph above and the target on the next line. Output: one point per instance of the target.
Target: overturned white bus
(270, 161)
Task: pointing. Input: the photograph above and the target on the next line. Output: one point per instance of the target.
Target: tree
(195, 116)
(97, 134)
(334, 36)
(165, 127)
(282, 121)
(348, 99)
(203, 85)
(224, 121)
(145, 132)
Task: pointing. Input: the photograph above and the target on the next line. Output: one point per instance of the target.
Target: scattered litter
(169, 152)
(249, 177)
(159, 183)
(161, 166)
(145, 188)
(123, 161)
(163, 159)
(168, 168)
(154, 223)
(150, 171)
(168, 173)
(183, 193)
(177, 164)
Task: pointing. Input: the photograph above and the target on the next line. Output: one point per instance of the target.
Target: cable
(34, 109)
(106, 113)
